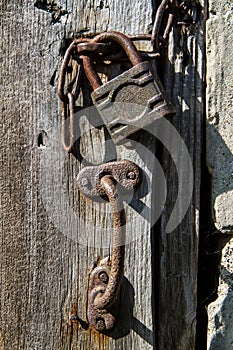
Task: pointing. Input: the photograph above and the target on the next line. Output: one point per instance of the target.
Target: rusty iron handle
(99, 183)
(105, 282)
(105, 300)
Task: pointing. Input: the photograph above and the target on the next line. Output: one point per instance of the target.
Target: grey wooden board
(51, 236)
(184, 84)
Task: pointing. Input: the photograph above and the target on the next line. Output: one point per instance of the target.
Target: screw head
(100, 324)
(84, 181)
(131, 175)
(103, 277)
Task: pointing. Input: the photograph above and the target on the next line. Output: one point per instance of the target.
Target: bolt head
(131, 175)
(101, 325)
(103, 277)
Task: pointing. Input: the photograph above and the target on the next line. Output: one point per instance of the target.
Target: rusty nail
(103, 277)
(73, 317)
(100, 325)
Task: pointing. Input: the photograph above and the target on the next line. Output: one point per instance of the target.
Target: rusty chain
(69, 97)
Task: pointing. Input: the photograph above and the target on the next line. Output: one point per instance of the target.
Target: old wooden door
(50, 235)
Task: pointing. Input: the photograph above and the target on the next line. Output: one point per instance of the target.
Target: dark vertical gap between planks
(208, 273)
(155, 258)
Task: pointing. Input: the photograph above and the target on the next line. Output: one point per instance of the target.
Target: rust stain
(99, 341)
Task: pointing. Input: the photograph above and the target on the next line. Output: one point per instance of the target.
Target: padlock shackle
(90, 72)
(123, 41)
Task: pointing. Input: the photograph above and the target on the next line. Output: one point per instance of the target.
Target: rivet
(103, 277)
(131, 175)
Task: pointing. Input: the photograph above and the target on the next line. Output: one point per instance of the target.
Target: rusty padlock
(133, 99)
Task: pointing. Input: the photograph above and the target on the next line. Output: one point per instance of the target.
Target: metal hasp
(133, 99)
(105, 182)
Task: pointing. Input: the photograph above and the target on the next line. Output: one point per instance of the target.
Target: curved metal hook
(98, 182)
(105, 280)
(105, 300)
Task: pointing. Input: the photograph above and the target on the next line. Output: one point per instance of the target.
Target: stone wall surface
(220, 111)
(220, 327)
(219, 35)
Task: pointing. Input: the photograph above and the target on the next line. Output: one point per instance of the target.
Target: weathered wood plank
(51, 236)
(49, 232)
(184, 83)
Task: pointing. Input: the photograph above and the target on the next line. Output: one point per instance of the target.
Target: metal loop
(68, 106)
(68, 113)
(62, 75)
(79, 45)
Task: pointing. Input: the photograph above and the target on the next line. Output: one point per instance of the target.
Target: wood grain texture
(50, 235)
(184, 83)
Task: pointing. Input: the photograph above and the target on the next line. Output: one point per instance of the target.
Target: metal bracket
(100, 182)
(124, 172)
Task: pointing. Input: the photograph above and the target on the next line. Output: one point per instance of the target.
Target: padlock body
(131, 101)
